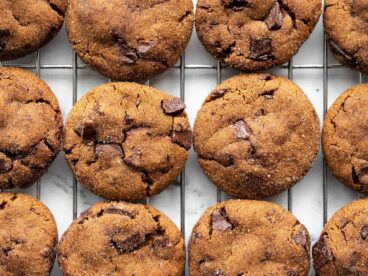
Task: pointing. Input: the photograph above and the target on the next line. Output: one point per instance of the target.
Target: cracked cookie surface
(27, 25)
(28, 236)
(346, 23)
(122, 239)
(30, 128)
(256, 135)
(127, 141)
(234, 238)
(255, 34)
(130, 40)
(342, 247)
(345, 138)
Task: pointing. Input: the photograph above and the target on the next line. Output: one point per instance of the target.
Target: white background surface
(307, 196)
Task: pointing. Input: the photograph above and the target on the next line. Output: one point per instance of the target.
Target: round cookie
(28, 236)
(234, 238)
(345, 24)
(122, 239)
(30, 128)
(127, 141)
(255, 34)
(345, 138)
(27, 25)
(130, 40)
(342, 247)
(256, 135)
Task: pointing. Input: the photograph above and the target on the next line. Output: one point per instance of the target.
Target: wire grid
(325, 66)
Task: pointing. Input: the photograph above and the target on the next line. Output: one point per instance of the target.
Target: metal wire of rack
(325, 66)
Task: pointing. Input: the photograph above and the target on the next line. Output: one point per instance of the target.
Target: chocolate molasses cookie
(122, 239)
(127, 141)
(130, 39)
(255, 34)
(28, 236)
(342, 248)
(345, 138)
(26, 26)
(256, 135)
(244, 237)
(345, 23)
(30, 128)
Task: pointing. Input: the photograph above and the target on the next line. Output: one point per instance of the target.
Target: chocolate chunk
(160, 243)
(217, 94)
(354, 176)
(338, 51)
(219, 221)
(129, 244)
(235, 5)
(260, 48)
(321, 253)
(226, 159)
(173, 106)
(274, 18)
(143, 47)
(242, 130)
(128, 54)
(182, 138)
(5, 163)
(118, 211)
(364, 232)
(84, 216)
(268, 95)
(87, 131)
(301, 238)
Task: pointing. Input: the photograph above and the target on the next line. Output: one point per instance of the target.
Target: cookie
(127, 141)
(345, 24)
(30, 128)
(234, 238)
(255, 34)
(129, 40)
(28, 236)
(26, 26)
(342, 247)
(345, 138)
(122, 239)
(256, 135)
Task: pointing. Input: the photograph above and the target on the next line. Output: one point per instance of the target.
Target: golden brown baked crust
(342, 247)
(27, 25)
(245, 237)
(30, 128)
(256, 135)
(345, 138)
(126, 140)
(120, 238)
(28, 236)
(130, 40)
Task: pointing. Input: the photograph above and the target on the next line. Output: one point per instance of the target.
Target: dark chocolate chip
(226, 159)
(266, 77)
(87, 132)
(268, 95)
(129, 244)
(354, 176)
(173, 106)
(217, 94)
(143, 47)
(84, 216)
(321, 253)
(219, 221)
(338, 51)
(260, 48)
(235, 5)
(182, 138)
(3, 205)
(128, 54)
(274, 18)
(106, 148)
(118, 211)
(364, 232)
(242, 130)
(301, 238)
